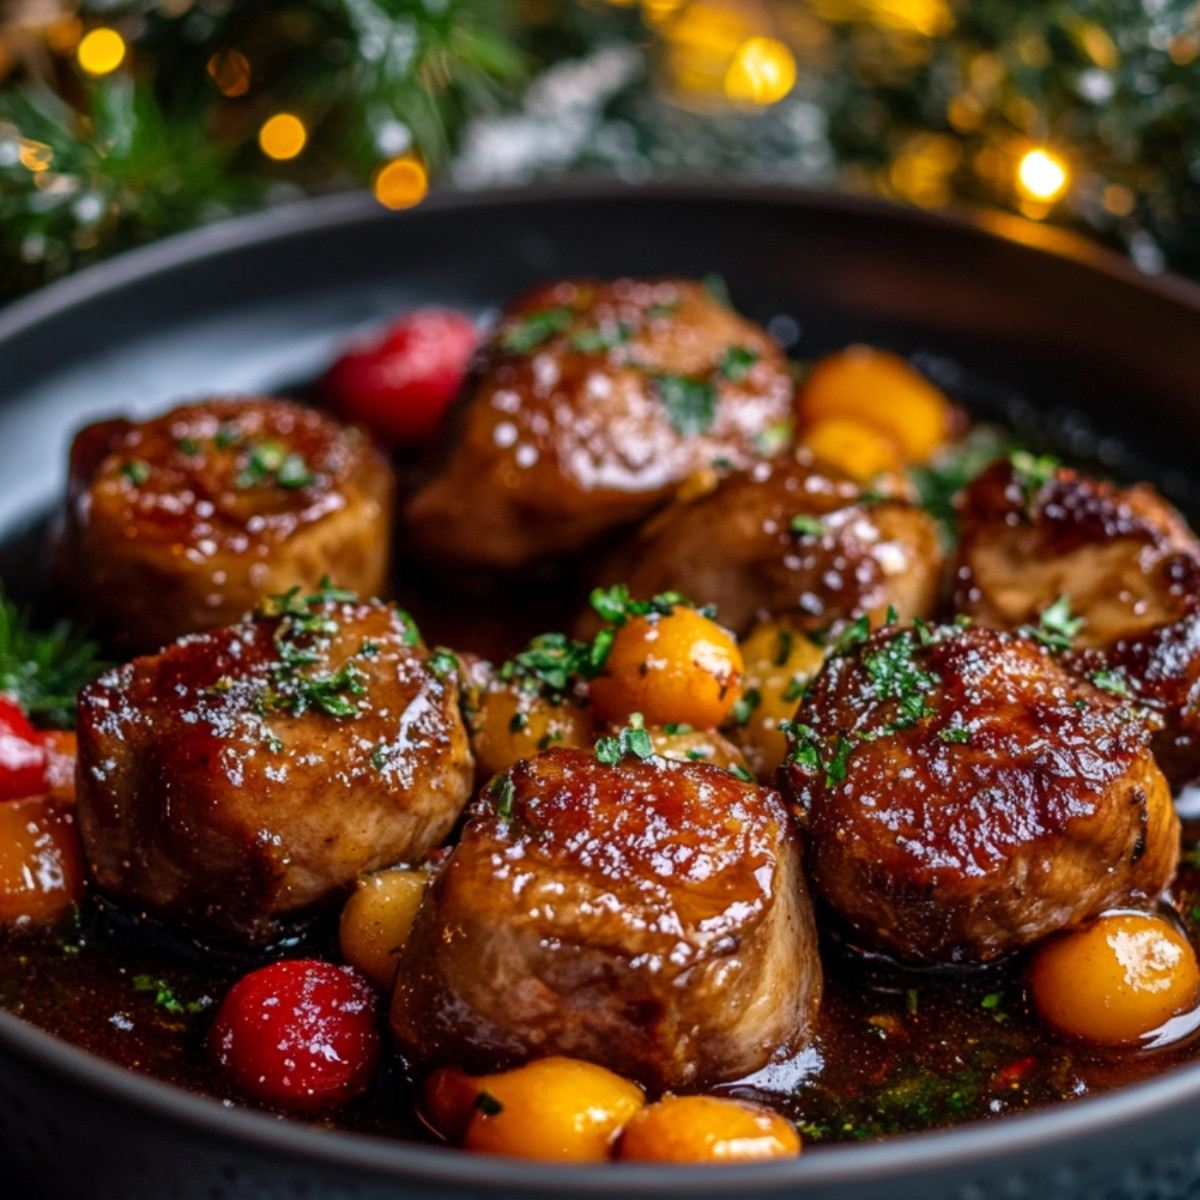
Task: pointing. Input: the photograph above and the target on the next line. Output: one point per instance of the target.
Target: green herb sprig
(1056, 628)
(633, 741)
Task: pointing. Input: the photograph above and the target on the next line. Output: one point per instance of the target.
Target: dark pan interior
(1022, 322)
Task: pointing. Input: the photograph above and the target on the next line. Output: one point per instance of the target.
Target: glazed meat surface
(185, 522)
(594, 401)
(965, 796)
(1130, 568)
(246, 775)
(788, 537)
(649, 916)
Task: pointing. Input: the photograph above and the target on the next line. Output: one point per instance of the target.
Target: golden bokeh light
(763, 71)
(401, 183)
(282, 136)
(230, 71)
(1042, 176)
(101, 51)
(701, 44)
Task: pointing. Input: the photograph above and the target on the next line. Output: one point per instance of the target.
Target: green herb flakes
(691, 404)
(530, 331)
(1056, 628)
(806, 525)
(745, 707)
(136, 471)
(1112, 682)
(633, 740)
(503, 793)
(740, 772)
(737, 362)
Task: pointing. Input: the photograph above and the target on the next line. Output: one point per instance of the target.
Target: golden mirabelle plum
(41, 860)
(685, 744)
(377, 919)
(1116, 979)
(514, 722)
(880, 390)
(859, 449)
(678, 667)
(707, 1129)
(552, 1108)
(779, 663)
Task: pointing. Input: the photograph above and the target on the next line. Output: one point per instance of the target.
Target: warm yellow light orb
(1042, 176)
(101, 51)
(762, 72)
(401, 183)
(282, 136)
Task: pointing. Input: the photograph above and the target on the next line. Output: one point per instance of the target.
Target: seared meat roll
(247, 774)
(595, 400)
(186, 521)
(649, 916)
(964, 795)
(788, 538)
(1129, 567)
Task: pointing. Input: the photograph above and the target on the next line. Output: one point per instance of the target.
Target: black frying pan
(1043, 327)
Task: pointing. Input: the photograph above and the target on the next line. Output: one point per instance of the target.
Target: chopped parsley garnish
(895, 676)
(794, 689)
(187, 445)
(912, 1001)
(503, 792)
(775, 439)
(835, 767)
(548, 739)
(271, 462)
(532, 330)
(488, 1104)
(691, 404)
(952, 469)
(786, 640)
(1032, 472)
(853, 635)
(958, 735)
(324, 690)
(606, 337)
(736, 362)
(1056, 628)
(740, 772)
(615, 606)
(633, 740)
(806, 525)
(226, 436)
(137, 471)
(553, 662)
(663, 308)
(805, 748)
(166, 999)
(1111, 682)
(744, 709)
(44, 671)
(443, 663)
(672, 728)
(411, 635)
(517, 722)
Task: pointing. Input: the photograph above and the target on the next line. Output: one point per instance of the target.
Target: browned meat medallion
(965, 796)
(594, 401)
(246, 775)
(185, 522)
(788, 537)
(1129, 568)
(650, 916)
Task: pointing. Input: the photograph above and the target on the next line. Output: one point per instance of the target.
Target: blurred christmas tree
(123, 120)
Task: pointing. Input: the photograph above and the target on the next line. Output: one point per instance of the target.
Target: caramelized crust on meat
(737, 548)
(245, 775)
(649, 916)
(594, 401)
(1026, 538)
(185, 522)
(967, 797)
(1128, 564)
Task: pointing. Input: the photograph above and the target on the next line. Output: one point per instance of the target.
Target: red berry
(401, 385)
(22, 754)
(302, 1034)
